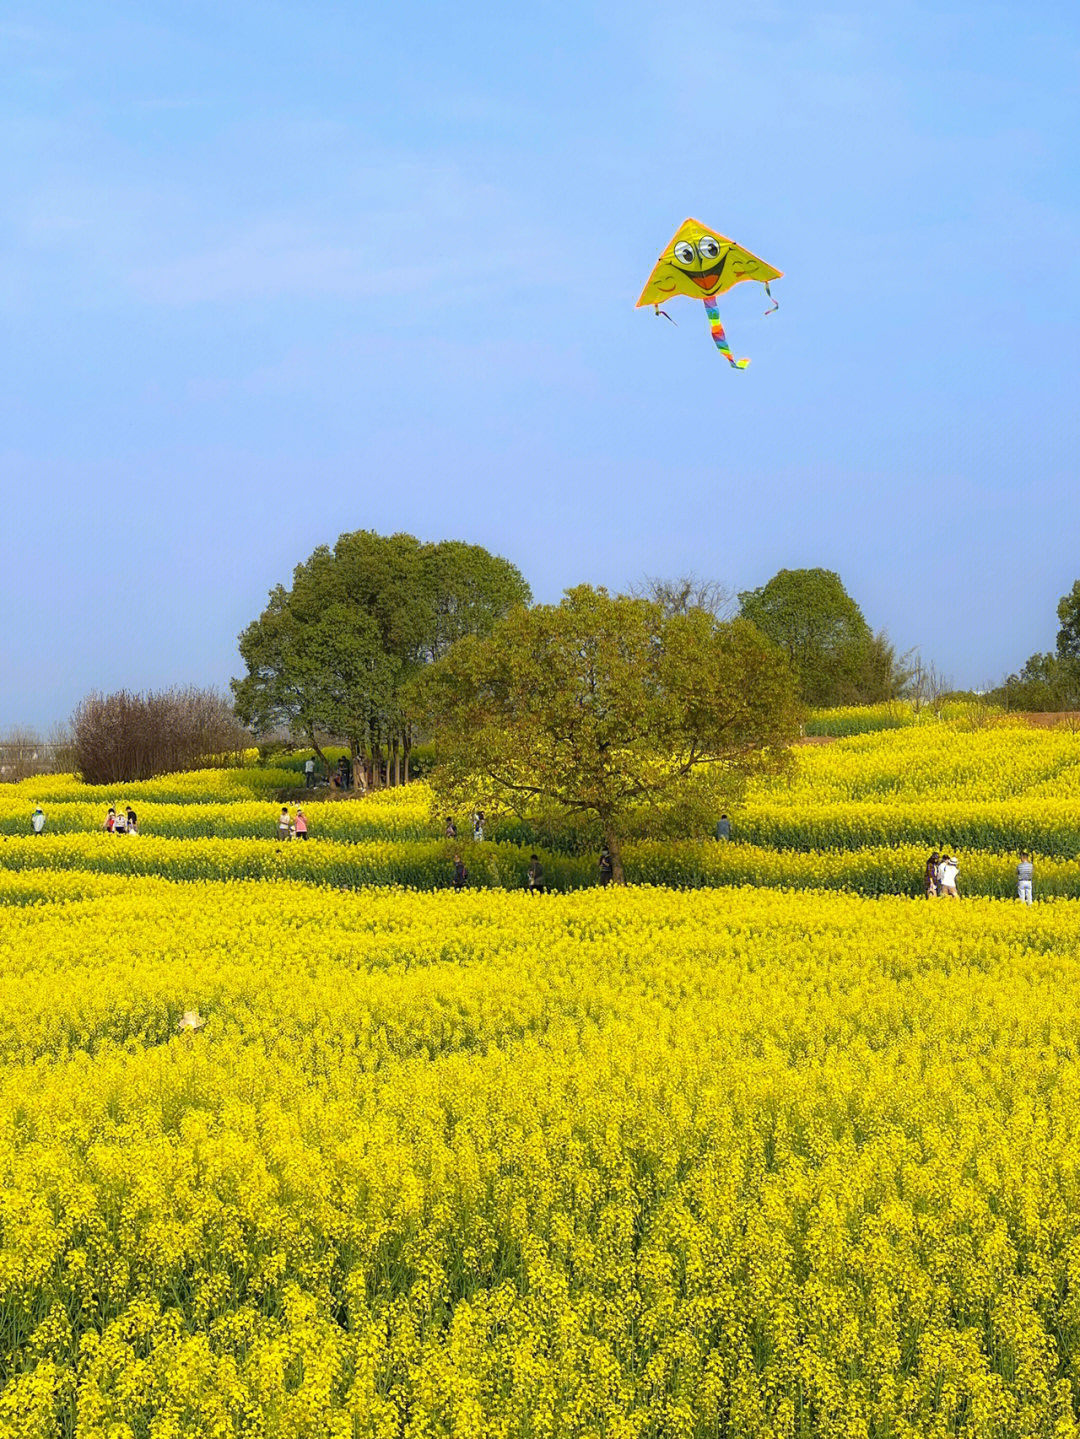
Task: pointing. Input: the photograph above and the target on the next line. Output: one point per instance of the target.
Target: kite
(703, 264)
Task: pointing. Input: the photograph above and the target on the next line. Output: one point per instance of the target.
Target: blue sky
(270, 272)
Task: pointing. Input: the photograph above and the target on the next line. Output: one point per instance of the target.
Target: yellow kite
(703, 264)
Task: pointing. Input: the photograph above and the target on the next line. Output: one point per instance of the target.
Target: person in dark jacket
(534, 880)
(606, 865)
(451, 828)
(723, 828)
(930, 876)
(461, 874)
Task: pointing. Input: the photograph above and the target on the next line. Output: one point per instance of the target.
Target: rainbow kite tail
(716, 329)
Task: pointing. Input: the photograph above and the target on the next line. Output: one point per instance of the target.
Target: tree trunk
(318, 751)
(396, 779)
(611, 839)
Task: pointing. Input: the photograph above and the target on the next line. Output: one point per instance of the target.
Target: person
(301, 824)
(451, 828)
(535, 879)
(37, 821)
(120, 822)
(930, 875)
(132, 821)
(346, 772)
(283, 823)
(1025, 876)
(947, 876)
(461, 874)
(309, 772)
(606, 865)
(723, 828)
(110, 821)
(478, 825)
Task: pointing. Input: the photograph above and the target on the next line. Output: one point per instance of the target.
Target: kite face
(701, 263)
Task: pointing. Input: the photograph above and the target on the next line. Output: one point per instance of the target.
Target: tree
(687, 592)
(600, 705)
(1068, 636)
(333, 652)
(1045, 684)
(1049, 681)
(926, 686)
(834, 653)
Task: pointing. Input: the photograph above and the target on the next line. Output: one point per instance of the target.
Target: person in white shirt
(949, 870)
(37, 821)
(1025, 875)
(309, 773)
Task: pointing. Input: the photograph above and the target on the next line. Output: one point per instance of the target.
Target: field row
(636, 1164)
(427, 865)
(1048, 827)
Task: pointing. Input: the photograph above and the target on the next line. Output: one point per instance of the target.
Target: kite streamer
(717, 331)
(775, 303)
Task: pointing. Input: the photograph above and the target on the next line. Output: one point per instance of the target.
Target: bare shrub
(123, 736)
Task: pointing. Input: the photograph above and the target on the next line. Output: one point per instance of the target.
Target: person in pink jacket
(301, 824)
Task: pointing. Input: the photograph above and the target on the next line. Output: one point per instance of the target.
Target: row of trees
(1050, 681)
(614, 714)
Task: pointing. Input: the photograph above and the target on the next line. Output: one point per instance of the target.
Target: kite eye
(684, 253)
(708, 249)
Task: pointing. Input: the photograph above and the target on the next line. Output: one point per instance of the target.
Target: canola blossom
(739, 1162)
(728, 1153)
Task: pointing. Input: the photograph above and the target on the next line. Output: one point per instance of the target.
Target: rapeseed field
(732, 1152)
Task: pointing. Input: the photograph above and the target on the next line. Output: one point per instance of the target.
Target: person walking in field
(723, 828)
(930, 876)
(534, 880)
(605, 867)
(301, 825)
(284, 824)
(309, 773)
(1025, 878)
(947, 876)
(37, 821)
(461, 874)
(478, 825)
(132, 821)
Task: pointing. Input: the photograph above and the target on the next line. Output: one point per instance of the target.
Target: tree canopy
(1050, 681)
(601, 705)
(837, 657)
(332, 653)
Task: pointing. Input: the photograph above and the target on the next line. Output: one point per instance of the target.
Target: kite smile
(706, 279)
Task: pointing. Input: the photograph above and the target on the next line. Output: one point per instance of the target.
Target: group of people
(476, 819)
(289, 828)
(121, 821)
(940, 875)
